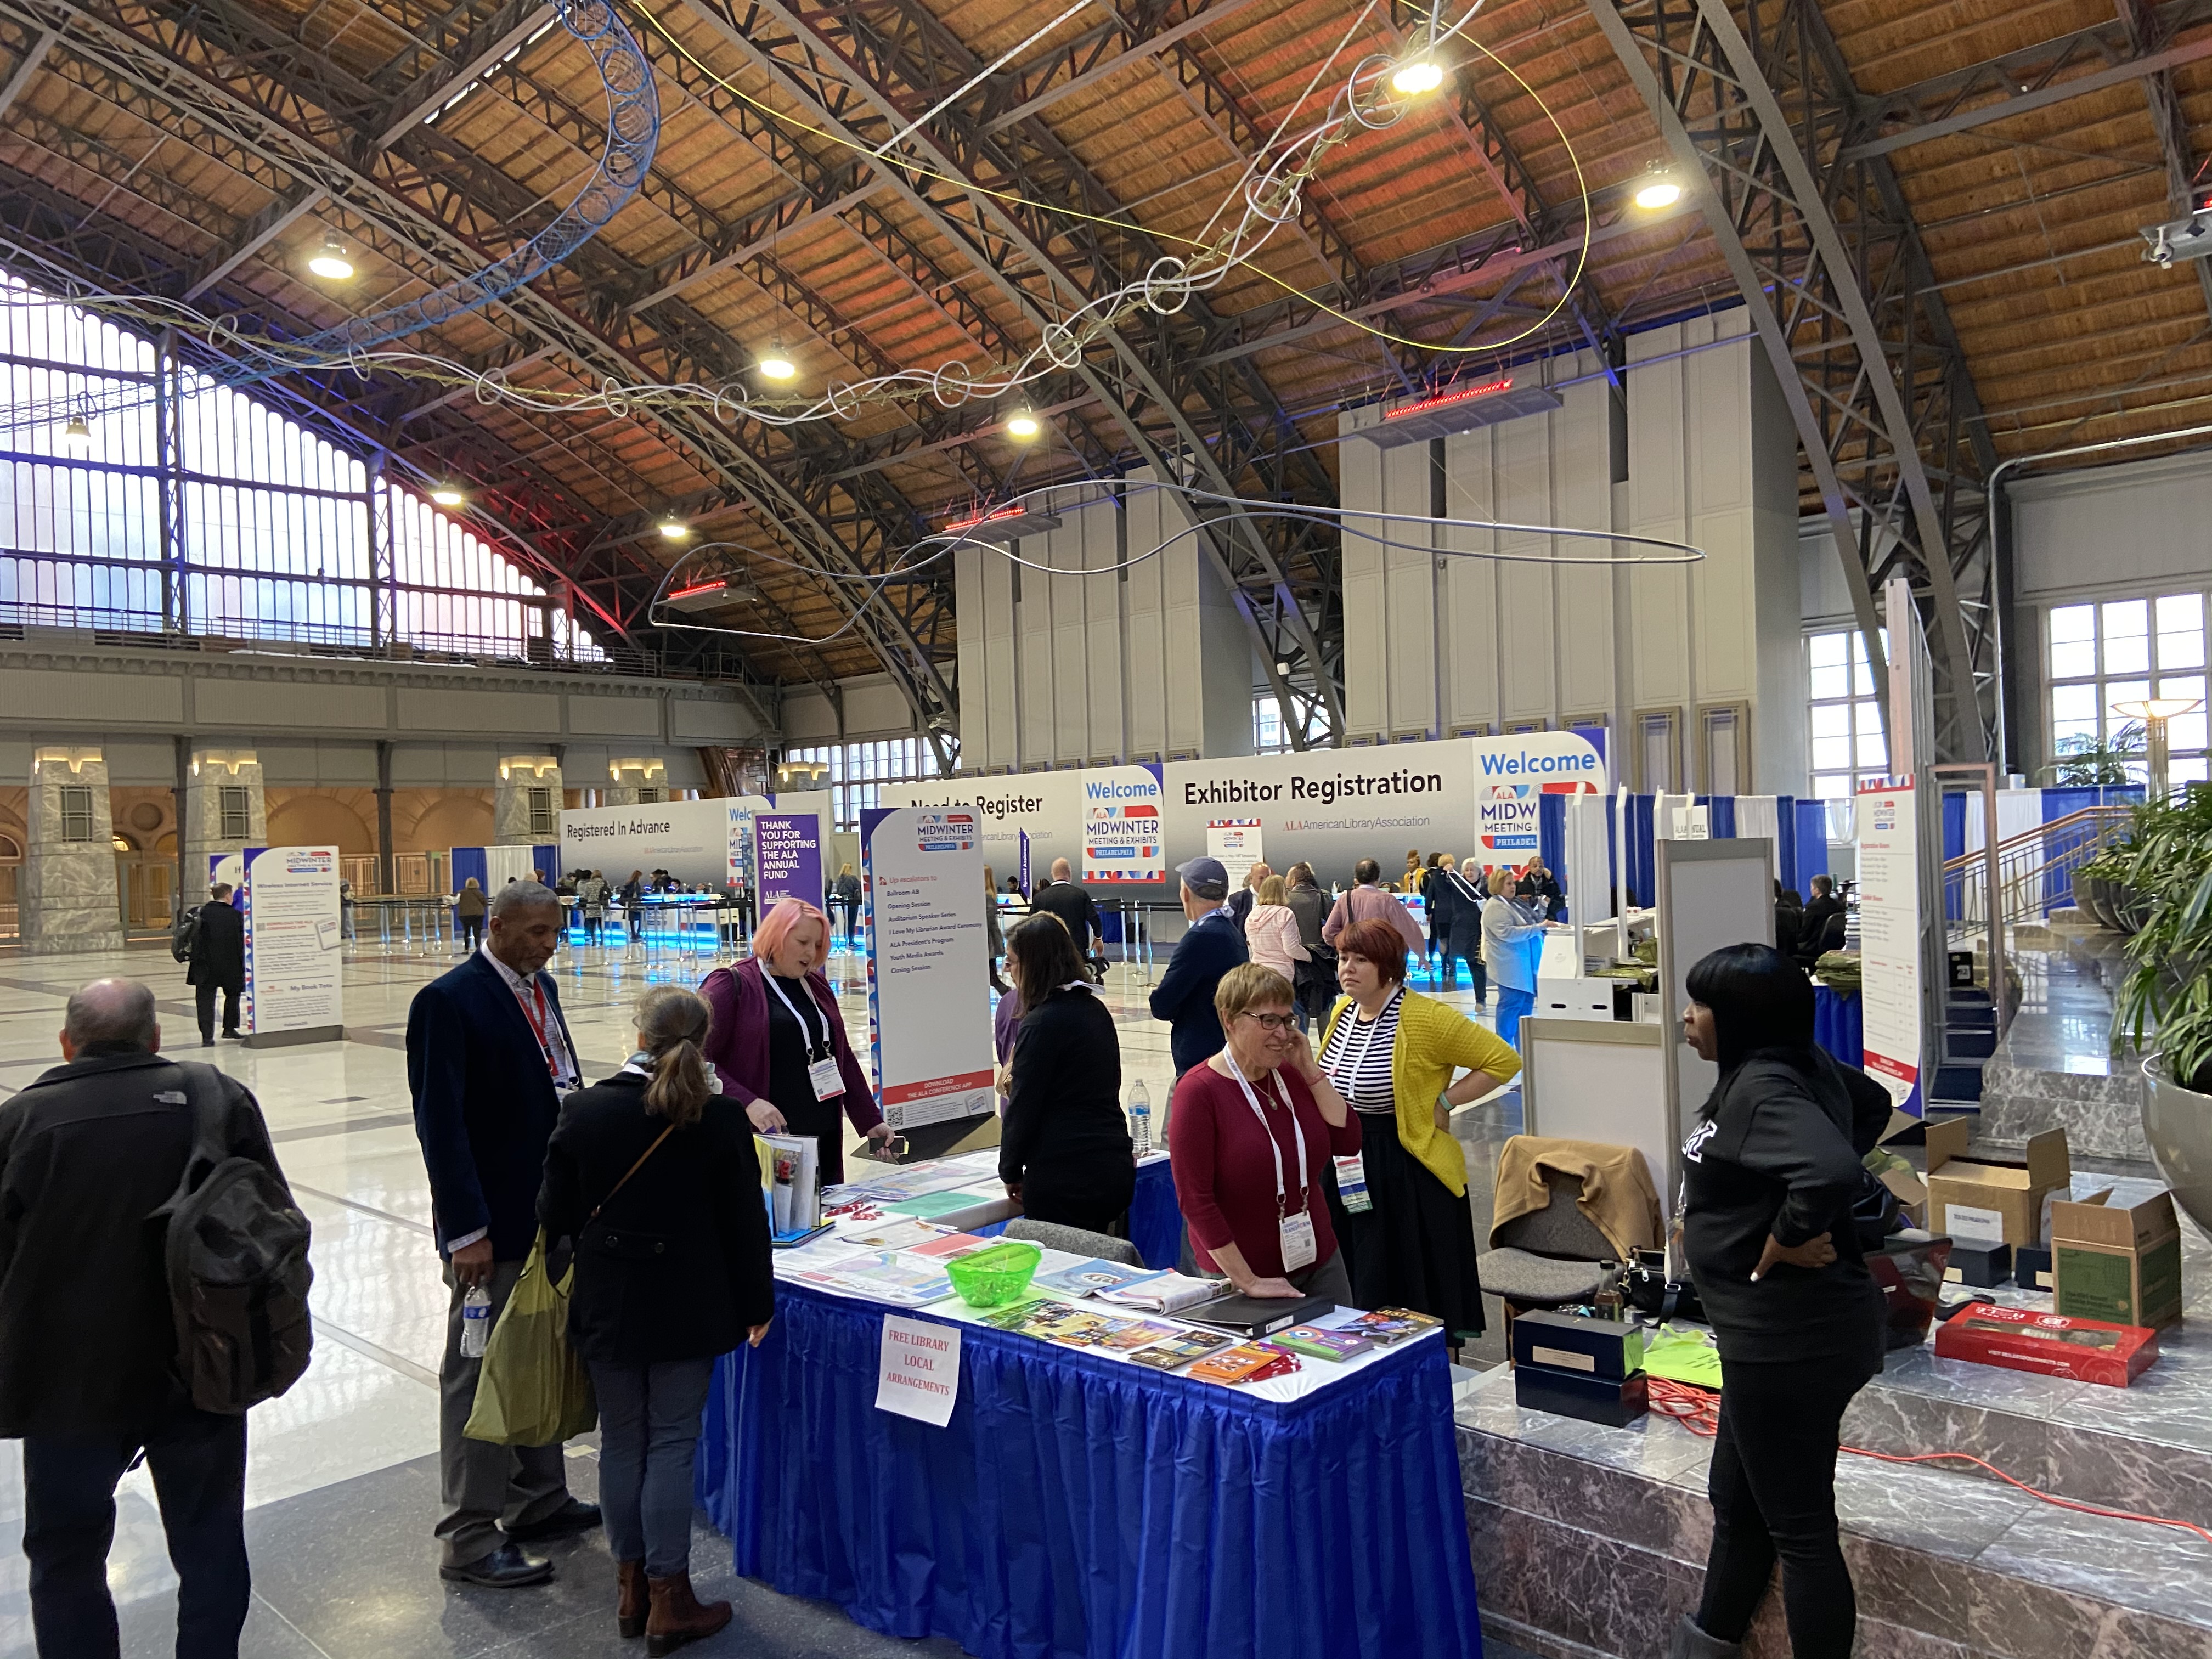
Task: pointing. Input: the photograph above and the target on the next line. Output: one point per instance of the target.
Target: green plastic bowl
(992, 1278)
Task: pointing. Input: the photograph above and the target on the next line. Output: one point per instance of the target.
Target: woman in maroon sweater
(1250, 1138)
(775, 1022)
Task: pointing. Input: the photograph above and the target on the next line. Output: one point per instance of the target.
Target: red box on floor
(2051, 1345)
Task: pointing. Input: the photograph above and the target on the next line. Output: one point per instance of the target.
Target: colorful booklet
(1179, 1350)
(946, 1246)
(1389, 1325)
(1321, 1343)
(1248, 1362)
(891, 1234)
(889, 1276)
(1137, 1334)
(1092, 1278)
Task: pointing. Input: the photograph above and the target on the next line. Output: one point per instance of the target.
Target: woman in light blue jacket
(1507, 931)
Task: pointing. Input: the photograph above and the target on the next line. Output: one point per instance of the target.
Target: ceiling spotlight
(78, 434)
(330, 261)
(1660, 188)
(1023, 424)
(1416, 76)
(447, 495)
(775, 364)
(674, 528)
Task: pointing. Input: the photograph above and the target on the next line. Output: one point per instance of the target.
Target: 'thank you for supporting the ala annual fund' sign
(929, 1016)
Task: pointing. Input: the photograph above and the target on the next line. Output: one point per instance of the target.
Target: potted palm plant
(2164, 1010)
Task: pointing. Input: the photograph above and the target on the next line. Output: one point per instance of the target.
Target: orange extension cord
(1698, 1410)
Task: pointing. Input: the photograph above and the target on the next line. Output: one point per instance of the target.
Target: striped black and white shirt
(1358, 1057)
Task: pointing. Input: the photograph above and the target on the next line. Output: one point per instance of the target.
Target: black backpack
(236, 1259)
(180, 941)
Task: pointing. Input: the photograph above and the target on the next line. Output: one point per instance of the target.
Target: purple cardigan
(736, 1042)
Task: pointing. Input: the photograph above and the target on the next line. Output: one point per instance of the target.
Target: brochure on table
(877, 1254)
(294, 957)
(929, 1024)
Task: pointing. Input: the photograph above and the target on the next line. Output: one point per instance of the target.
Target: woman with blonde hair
(653, 1176)
(1272, 933)
(779, 1041)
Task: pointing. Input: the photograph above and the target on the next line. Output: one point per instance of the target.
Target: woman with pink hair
(778, 1041)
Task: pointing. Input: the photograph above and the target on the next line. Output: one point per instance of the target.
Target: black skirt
(1414, 1247)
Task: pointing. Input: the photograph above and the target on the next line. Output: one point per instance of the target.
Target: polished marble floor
(341, 1479)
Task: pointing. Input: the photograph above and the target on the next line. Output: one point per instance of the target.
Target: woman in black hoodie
(1769, 1175)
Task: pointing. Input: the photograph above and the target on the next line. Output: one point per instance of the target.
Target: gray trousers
(649, 1443)
(483, 1486)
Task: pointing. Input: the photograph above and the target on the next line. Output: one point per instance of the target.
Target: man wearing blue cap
(1209, 948)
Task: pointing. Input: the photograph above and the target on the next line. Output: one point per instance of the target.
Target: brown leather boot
(630, 1607)
(677, 1617)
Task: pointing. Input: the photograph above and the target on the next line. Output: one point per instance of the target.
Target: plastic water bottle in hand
(1140, 1118)
(476, 1323)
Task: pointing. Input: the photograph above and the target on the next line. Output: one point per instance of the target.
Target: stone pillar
(225, 811)
(68, 902)
(526, 805)
(634, 782)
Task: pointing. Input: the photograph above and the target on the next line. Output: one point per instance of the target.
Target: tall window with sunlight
(2125, 651)
(858, 771)
(1845, 707)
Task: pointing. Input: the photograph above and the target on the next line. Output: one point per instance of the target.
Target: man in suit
(217, 962)
(88, 1335)
(1210, 946)
(489, 1059)
(1241, 901)
(1066, 898)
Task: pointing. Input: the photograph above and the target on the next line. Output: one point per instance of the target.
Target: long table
(1080, 1507)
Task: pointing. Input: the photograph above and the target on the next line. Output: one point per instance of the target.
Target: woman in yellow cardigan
(1392, 1053)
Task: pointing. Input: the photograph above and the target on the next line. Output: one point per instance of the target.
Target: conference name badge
(1299, 1245)
(829, 1083)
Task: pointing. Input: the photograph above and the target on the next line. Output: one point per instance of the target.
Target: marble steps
(1587, 1542)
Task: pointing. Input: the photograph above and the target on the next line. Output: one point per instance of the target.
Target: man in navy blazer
(488, 1059)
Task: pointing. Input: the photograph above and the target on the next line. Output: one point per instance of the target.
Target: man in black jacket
(87, 1337)
(1210, 946)
(1066, 898)
(218, 962)
(489, 1059)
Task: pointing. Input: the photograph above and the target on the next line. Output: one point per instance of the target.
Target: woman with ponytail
(653, 1176)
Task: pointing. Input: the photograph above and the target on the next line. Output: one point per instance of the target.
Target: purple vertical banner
(787, 857)
(1024, 882)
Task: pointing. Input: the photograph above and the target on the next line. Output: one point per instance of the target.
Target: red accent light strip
(694, 592)
(992, 517)
(1488, 389)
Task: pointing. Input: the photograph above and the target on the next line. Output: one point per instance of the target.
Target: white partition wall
(1709, 657)
(1712, 894)
(1142, 661)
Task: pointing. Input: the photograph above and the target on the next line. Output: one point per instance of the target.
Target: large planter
(2178, 1124)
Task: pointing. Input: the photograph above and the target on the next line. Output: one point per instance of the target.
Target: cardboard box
(1989, 1200)
(2049, 1344)
(2121, 1265)
(1984, 1267)
(1615, 1403)
(1568, 1342)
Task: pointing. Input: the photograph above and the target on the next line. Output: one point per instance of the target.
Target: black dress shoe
(508, 1567)
(572, 1517)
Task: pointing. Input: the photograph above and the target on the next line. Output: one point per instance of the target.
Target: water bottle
(476, 1323)
(1140, 1118)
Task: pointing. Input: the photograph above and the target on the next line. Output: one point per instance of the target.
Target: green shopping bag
(533, 1390)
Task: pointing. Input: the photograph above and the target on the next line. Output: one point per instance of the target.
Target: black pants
(205, 996)
(199, 1462)
(1773, 1490)
(1093, 1195)
(472, 931)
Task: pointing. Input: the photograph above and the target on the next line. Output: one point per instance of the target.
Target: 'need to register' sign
(920, 1370)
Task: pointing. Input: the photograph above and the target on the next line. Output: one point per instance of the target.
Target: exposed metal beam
(1141, 47)
(515, 23)
(2031, 68)
(27, 67)
(264, 228)
(2183, 196)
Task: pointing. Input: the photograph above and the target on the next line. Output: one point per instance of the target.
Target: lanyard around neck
(805, 1036)
(1350, 1063)
(1273, 1145)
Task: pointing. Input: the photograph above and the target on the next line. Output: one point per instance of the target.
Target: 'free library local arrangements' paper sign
(929, 1026)
(920, 1372)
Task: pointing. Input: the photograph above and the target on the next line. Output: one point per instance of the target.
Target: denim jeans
(649, 1439)
(198, 1464)
(1511, 1005)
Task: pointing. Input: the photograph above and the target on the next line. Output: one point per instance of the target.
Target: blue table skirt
(1839, 1023)
(1080, 1508)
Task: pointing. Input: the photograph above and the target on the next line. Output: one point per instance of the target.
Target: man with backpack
(215, 948)
(96, 1288)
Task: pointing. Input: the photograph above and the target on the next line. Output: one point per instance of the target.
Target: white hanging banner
(1122, 842)
(919, 1372)
(1889, 940)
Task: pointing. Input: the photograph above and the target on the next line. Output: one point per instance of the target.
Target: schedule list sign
(292, 954)
(929, 1024)
(1889, 940)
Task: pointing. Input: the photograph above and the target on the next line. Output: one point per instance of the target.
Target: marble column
(68, 901)
(634, 782)
(511, 802)
(200, 826)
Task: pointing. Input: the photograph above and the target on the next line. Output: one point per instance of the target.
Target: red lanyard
(540, 1024)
